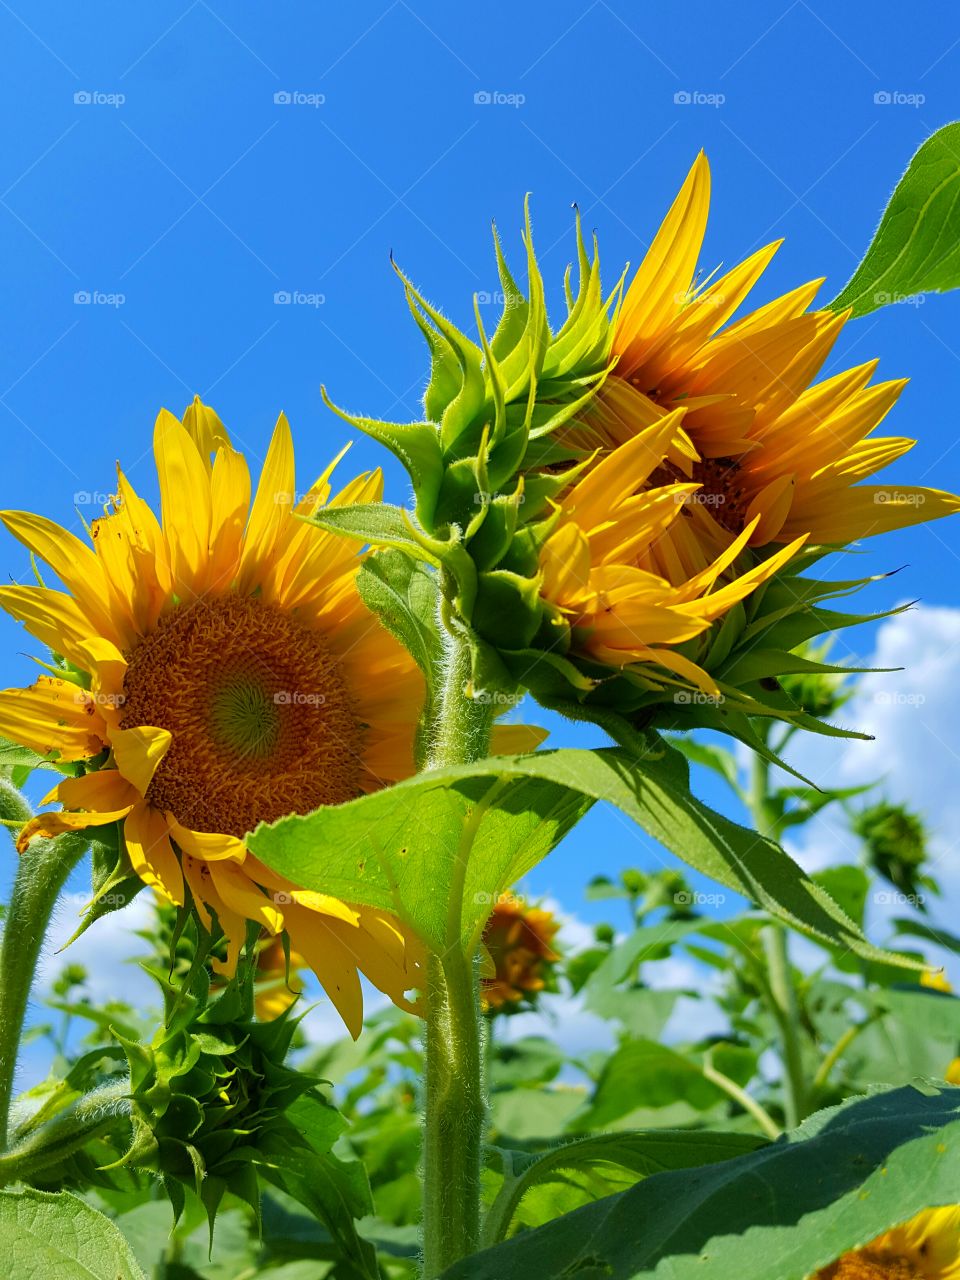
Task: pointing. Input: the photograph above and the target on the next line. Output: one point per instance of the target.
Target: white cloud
(913, 715)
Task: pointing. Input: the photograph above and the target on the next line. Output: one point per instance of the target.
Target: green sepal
(416, 444)
(507, 606)
(380, 524)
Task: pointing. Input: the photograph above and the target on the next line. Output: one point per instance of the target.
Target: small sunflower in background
(925, 1248)
(218, 669)
(518, 940)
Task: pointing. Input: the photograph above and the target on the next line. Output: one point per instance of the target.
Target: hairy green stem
(454, 1098)
(776, 948)
(41, 874)
(53, 1142)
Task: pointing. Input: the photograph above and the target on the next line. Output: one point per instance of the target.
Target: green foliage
(916, 248)
(502, 816)
(787, 1209)
(58, 1237)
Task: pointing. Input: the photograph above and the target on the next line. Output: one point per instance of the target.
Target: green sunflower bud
(210, 1093)
(484, 465)
(896, 843)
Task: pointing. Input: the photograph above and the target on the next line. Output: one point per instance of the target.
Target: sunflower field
(300, 746)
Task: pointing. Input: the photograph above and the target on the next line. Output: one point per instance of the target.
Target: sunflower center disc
(262, 722)
(869, 1265)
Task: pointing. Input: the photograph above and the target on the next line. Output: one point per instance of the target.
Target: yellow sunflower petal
(138, 753)
(185, 504)
(151, 853)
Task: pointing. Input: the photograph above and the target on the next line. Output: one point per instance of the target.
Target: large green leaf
(641, 1154)
(483, 826)
(916, 248)
(58, 1237)
(784, 1211)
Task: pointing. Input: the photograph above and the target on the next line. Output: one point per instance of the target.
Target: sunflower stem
(41, 874)
(95, 1113)
(785, 1007)
(455, 1109)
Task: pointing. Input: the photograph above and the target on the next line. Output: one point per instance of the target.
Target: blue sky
(147, 162)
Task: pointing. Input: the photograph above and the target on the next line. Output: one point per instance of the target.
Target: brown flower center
(868, 1264)
(721, 491)
(262, 722)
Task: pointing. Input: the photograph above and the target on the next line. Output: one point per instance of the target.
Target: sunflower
(596, 572)
(770, 454)
(925, 1248)
(217, 668)
(518, 943)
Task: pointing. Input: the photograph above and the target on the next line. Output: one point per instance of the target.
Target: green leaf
(643, 1073)
(403, 593)
(380, 525)
(58, 1237)
(785, 1210)
(494, 820)
(916, 248)
(643, 1154)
